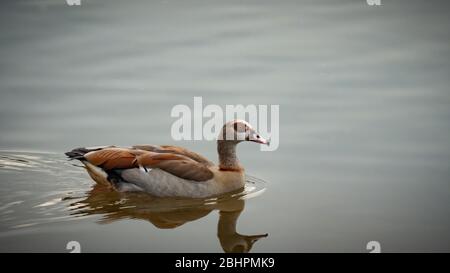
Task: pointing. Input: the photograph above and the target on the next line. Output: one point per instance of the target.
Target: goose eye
(238, 127)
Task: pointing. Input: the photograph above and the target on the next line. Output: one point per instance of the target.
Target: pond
(364, 110)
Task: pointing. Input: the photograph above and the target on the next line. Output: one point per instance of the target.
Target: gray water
(364, 101)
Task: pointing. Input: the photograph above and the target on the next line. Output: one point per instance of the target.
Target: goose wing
(177, 164)
(175, 150)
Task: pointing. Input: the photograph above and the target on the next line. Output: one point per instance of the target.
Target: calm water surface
(364, 122)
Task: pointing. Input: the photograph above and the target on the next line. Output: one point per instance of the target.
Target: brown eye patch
(239, 127)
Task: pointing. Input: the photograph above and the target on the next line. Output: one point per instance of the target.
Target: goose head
(237, 131)
(233, 133)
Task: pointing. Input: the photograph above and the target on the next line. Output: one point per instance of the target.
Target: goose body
(170, 171)
(164, 184)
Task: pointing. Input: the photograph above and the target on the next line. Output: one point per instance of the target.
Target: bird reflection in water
(169, 213)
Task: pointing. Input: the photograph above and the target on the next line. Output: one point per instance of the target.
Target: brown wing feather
(113, 158)
(175, 150)
(178, 165)
(174, 163)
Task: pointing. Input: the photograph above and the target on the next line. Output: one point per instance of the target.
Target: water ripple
(45, 188)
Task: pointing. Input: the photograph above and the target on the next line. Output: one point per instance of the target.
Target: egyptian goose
(171, 171)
